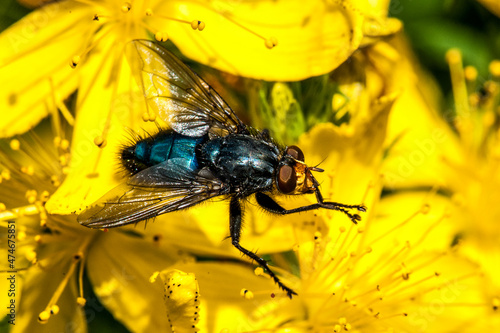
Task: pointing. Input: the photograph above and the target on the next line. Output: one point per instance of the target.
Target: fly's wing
(178, 95)
(160, 189)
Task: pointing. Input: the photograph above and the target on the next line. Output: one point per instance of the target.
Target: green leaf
(10, 12)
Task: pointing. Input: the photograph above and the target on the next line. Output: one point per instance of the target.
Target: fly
(207, 152)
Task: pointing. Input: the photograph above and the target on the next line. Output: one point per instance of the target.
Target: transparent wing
(159, 189)
(179, 95)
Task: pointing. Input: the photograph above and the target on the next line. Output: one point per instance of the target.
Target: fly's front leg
(272, 206)
(235, 214)
(340, 207)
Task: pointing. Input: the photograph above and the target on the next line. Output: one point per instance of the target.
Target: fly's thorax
(245, 162)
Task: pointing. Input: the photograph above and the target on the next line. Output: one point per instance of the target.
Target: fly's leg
(272, 206)
(235, 214)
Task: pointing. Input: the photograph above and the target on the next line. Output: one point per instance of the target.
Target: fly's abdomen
(166, 145)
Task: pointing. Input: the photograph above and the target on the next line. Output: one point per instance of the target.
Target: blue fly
(207, 152)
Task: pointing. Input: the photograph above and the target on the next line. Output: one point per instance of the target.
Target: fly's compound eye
(296, 153)
(287, 179)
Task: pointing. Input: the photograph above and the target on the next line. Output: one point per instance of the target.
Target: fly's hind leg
(235, 214)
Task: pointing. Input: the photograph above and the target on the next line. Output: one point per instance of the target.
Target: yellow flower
(53, 252)
(395, 271)
(472, 176)
(37, 50)
(107, 100)
(461, 160)
(417, 136)
(382, 276)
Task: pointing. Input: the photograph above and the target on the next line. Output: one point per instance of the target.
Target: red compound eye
(287, 179)
(296, 153)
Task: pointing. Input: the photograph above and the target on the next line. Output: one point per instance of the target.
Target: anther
(197, 25)
(81, 301)
(30, 255)
(63, 160)
(5, 174)
(74, 61)
(43, 317)
(271, 42)
(2, 207)
(161, 37)
(31, 196)
(425, 209)
(21, 235)
(125, 8)
(494, 68)
(29, 170)
(453, 56)
(54, 309)
(247, 294)
(100, 142)
(149, 12)
(44, 197)
(470, 73)
(15, 144)
(64, 144)
(55, 181)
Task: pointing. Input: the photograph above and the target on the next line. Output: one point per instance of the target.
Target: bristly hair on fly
(127, 163)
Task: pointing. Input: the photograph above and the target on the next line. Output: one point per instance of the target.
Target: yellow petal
(34, 299)
(312, 38)
(223, 307)
(34, 64)
(182, 300)
(93, 170)
(119, 268)
(418, 138)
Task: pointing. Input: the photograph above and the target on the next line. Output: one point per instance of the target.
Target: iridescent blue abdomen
(166, 145)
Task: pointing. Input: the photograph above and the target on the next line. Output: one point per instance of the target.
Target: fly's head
(294, 176)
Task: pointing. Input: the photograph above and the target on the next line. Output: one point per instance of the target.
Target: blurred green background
(434, 26)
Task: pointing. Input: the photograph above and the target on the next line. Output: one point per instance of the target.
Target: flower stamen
(270, 42)
(101, 33)
(398, 226)
(77, 260)
(45, 314)
(195, 24)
